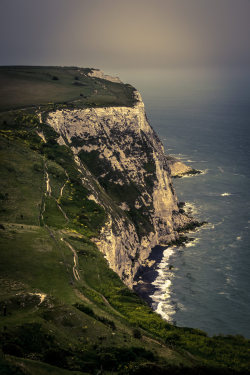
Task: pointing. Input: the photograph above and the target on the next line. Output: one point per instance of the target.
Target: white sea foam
(204, 171)
(191, 209)
(224, 294)
(225, 194)
(165, 310)
(162, 296)
(193, 242)
(191, 175)
(221, 169)
(179, 156)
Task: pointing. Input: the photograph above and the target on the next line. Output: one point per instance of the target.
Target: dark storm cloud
(115, 33)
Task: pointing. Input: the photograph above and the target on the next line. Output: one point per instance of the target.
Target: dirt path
(41, 135)
(65, 183)
(63, 212)
(48, 187)
(47, 192)
(62, 188)
(60, 195)
(75, 271)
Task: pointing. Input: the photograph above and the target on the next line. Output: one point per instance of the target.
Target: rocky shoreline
(147, 274)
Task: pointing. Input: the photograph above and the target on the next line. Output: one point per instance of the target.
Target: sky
(137, 34)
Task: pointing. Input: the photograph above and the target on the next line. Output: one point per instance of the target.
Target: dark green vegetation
(55, 87)
(117, 192)
(62, 310)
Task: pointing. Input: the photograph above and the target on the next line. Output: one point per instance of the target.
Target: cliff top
(28, 86)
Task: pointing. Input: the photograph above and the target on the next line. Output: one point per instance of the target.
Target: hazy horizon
(113, 35)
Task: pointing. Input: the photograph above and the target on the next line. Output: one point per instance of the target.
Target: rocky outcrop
(99, 74)
(177, 168)
(128, 173)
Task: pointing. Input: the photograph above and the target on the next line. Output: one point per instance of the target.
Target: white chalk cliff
(123, 165)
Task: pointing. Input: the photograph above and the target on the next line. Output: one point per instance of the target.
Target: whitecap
(204, 171)
(162, 296)
(191, 208)
(225, 194)
(179, 156)
(180, 306)
(193, 242)
(221, 169)
(165, 310)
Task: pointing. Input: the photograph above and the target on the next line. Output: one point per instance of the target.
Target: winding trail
(46, 192)
(60, 195)
(62, 188)
(48, 187)
(75, 271)
(62, 211)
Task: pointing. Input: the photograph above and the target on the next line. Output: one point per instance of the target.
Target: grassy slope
(87, 324)
(28, 86)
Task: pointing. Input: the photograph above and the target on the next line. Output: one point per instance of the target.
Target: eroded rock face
(126, 159)
(99, 74)
(178, 168)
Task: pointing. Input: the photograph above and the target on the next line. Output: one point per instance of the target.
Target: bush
(37, 167)
(172, 339)
(137, 333)
(56, 357)
(85, 309)
(12, 349)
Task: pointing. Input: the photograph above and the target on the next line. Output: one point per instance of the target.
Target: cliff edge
(132, 174)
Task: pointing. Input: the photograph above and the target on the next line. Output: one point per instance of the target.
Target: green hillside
(62, 309)
(30, 86)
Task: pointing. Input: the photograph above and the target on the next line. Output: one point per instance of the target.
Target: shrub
(137, 333)
(85, 309)
(56, 357)
(12, 349)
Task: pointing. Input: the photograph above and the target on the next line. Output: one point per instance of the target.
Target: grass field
(40, 86)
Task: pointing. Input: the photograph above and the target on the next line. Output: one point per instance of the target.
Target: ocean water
(203, 118)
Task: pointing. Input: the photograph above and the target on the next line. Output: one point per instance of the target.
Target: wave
(179, 156)
(191, 208)
(162, 297)
(204, 171)
(221, 169)
(191, 175)
(225, 194)
(165, 310)
(193, 242)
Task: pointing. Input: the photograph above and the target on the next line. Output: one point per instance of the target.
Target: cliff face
(124, 166)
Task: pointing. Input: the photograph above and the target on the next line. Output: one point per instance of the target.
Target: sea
(202, 116)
